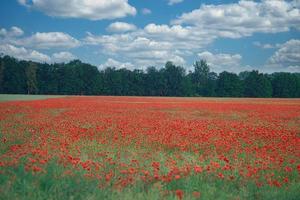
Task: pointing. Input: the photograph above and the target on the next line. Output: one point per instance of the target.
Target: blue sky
(231, 35)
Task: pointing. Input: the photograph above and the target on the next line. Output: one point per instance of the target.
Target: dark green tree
(153, 82)
(77, 78)
(243, 75)
(188, 87)
(137, 83)
(229, 85)
(173, 79)
(1, 74)
(31, 78)
(285, 85)
(14, 78)
(200, 77)
(257, 85)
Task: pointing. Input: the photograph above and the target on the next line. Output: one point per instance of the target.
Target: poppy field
(150, 148)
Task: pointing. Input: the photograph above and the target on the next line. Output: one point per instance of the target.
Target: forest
(78, 78)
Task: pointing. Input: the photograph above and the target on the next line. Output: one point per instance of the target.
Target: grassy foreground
(56, 185)
(24, 97)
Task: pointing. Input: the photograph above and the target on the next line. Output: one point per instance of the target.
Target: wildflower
(179, 194)
(198, 169)
(177, 177)
(288, 169)
(220, 175)
(36, 169)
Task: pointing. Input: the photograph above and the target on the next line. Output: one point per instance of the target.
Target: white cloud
(23, 53)
(24, 48)
(222, 62)
(286, 58)
(190, 33)
(116, 64)
(23, 2)
(177, 31)
(172, 2)
(146, 11)
(174, 37)
(137, 48)
(87, 9)
(183, 38)
(156, 58)
(244, 18)
(126, 43)
(16, 31)
(265, 46)
(13, 32)
(142, 60)
(63, 56)
(3, 32)
(121, 27)
(49, 40)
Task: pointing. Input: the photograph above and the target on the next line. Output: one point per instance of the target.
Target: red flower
(179, 194)
(220, 175)
(156, 165)
(288, 169)
(36, 169)
(198, 169)
(177, 177)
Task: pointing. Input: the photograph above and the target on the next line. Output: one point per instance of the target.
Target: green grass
(24, 97)
(16, 183)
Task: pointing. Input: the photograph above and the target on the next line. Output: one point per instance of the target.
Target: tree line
(77, 78)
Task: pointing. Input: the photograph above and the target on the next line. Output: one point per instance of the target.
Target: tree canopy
(78, 78)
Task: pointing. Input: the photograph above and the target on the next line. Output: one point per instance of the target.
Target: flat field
(22, 97)
(150, 148)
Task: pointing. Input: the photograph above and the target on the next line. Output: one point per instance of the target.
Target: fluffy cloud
(175, 31)
(116, 64)
(222, 62)
(63, 56)
(137, 48)
(126, 43)
(157, 58)
(121, 27)
(22, 2)
(12, 32)
(172, 2)
(87, 9)
(244, 18)
(192, 32)
(49, 40)
(23, 53)
(265, 46)
(153, 45)
(287, 57)
(24, 48)
(183, 38)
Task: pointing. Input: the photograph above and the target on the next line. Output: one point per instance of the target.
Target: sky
(230, 35)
